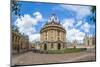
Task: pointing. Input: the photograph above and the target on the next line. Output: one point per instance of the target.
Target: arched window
(21, 46)
(45, 35)
(58, 33)
(88, 42)
(51, 45)
(58, 38)
(63, 45)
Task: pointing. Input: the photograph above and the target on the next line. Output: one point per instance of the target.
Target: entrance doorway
(45, 46)
(59, 46)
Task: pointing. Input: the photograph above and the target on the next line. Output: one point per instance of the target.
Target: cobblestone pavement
(37, 58)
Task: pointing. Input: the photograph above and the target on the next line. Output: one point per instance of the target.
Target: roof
(53, 22)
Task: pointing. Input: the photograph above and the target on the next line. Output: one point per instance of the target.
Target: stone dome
(53, 35)
(51, 23)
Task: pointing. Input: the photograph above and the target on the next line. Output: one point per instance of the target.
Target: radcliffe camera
(52, 33)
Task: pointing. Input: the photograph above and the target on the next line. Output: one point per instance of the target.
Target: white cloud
(72, 32)
(26, 23)
(79, 23)
(86, 27)
(75, 34)
(37, 15)
(81, 11)
(68, 23)
(34, 37)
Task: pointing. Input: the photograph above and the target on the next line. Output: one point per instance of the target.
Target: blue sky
(74, 18)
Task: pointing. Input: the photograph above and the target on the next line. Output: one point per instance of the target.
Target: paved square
(37, 58)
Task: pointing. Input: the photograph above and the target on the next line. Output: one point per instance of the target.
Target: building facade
(53, 35)
(20, 43)
(89, 41)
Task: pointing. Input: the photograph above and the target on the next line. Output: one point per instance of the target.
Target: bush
(68, 50)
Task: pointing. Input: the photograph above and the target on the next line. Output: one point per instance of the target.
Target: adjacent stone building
(20, 43)
(89, 40)
(53, 35)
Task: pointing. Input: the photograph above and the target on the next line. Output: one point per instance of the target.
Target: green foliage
(15, 28)
(15, 7)
(93, 10)
(68, 50)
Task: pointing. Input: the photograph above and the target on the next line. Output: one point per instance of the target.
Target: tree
(15, 10)
(15, 28)
(15, 7)
(93, 10)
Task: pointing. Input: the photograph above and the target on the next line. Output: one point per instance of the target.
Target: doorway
(45, 46)
(59, 46)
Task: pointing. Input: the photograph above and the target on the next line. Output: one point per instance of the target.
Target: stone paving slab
(37, 58)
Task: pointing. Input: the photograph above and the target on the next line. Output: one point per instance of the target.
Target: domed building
(53, 35)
